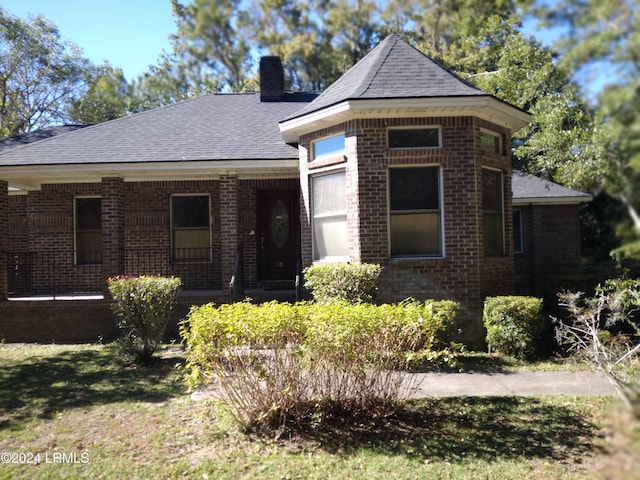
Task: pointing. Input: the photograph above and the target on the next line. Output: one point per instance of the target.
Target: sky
(129, 34)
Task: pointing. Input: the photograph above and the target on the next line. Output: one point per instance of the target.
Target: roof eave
(29, 178)
(574, 200)
(483, 106)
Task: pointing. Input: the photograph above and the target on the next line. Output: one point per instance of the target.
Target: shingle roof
(393, 69)
(531, 189)
(212, 127)
(35, 136)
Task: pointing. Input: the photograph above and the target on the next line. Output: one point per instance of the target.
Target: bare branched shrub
(602, 331)
(281, 365)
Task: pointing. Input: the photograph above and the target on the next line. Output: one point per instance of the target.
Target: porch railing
(67, 271)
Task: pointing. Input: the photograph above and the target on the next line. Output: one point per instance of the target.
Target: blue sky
(130, 34)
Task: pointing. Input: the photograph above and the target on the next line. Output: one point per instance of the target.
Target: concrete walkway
(439, 384)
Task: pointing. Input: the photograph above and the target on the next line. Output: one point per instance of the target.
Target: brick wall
(463, 274)
(552, 248)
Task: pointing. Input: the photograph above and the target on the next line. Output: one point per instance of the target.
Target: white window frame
(438, 128)
(441, 232)
(519, 231)
(174, 259)
(315, 255)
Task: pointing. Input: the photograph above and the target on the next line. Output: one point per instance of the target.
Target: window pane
(328, 146)
(414, 137)
(489, 142)
(88, 213)
(414, 188)
(330, 237)
(517, 231)
(491, 190)
(329, 194)
(191, 211)
(88, 247)
(493, 235)
(191, 244)
(329, 215)
(415, 234)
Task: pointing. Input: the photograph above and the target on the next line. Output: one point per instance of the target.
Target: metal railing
(67, 271)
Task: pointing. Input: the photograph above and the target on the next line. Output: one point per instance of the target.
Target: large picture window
(329, 216)
(88, 223)
(190, 232)
(415, 212)
(492, 209)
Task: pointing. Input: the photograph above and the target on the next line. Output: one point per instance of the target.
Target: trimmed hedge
(278, 363)
(514, 325)
(343, 282)
(142, 306)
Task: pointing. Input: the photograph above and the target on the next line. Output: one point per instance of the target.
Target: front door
(278, 234)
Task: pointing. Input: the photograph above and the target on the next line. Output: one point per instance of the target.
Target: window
(329, 216)
(328, 147)
(414, 137)
(415, 213)
(190, 232)
(490, 141)
(492, 213)
(88, 222)
(518, 241)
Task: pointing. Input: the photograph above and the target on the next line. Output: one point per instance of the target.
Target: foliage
(282, 365)
(514, 324)
(348, 282)
(604, 332)
(39, 74)
(142, 306)
(106, 98)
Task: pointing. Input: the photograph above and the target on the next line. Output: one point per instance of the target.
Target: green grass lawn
(83, 414)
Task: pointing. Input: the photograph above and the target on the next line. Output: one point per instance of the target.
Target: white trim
(482, 106)
(33, 176)
(552, 200)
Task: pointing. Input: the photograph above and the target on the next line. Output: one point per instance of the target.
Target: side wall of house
(551, 248)
(462, 273)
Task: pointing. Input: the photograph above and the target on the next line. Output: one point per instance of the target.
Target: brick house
(399, 162)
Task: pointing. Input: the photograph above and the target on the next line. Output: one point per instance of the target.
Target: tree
(214, 33)
(106, 98)
(39, 74)
(607, 35)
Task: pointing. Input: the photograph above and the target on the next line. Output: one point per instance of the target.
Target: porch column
(228, 226)
(112, 229)
(4, 239)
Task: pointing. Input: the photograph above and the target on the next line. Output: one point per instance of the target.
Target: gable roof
(395, 79)
(529, 189)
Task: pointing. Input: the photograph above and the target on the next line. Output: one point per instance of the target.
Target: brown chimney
(271, 79)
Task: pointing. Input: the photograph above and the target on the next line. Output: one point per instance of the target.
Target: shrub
(346, 282)
(142, 306)
(514, 324)
(587, 333)
(280, 364)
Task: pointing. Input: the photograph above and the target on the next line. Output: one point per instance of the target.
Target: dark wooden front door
(278, 234)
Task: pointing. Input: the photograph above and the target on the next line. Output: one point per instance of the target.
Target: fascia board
(551, 200)
(485, 107)
(32, 177)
